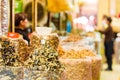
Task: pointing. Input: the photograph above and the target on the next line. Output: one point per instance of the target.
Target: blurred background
(78, 17)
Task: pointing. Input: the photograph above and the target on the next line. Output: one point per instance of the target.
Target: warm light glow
(91, 18)
(82, 20)
(90, 1)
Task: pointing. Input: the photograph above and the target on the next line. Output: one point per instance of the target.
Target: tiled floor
(111, 75)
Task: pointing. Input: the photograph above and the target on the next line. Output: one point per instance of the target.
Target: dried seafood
(8, 52)
(45, 56)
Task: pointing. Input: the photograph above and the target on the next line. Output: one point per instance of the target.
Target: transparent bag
(11, 73)
(77, 69)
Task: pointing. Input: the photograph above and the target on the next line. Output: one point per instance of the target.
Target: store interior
(61, 40)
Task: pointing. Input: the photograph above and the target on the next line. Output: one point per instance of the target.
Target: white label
(42, 41)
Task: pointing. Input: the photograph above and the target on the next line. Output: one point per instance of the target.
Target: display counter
(48, 59)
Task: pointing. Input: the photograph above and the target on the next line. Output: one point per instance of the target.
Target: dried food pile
(45, 57)
(80, 62)
(9, 57)
(42, 57)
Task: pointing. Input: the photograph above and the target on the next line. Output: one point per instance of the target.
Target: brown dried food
(23, 50)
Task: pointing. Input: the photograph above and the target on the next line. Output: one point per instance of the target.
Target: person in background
(108, 42)
(21, 22)
(104, 26)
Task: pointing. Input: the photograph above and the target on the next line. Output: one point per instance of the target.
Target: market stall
(48, 56)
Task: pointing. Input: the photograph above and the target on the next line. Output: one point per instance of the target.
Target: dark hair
(109, 19)
(19, 17)
(104, 16)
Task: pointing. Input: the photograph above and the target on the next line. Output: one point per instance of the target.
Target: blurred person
(104, 26)
(21, 22)
(108, 42)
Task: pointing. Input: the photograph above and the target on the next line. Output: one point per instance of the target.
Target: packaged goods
(77, 69)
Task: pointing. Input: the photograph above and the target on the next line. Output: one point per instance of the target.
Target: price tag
(43, 41)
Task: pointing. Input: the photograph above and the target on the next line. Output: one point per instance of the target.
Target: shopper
(104, 22)
(21, 22)
(108, 42)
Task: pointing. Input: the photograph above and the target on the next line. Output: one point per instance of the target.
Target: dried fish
(8, 53)
(45, 56)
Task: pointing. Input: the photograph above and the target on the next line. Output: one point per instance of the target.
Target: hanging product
(4, 16)
(59, 5)
(0, 19)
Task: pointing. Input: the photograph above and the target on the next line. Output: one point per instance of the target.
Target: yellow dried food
(75, 54)
(72, 38)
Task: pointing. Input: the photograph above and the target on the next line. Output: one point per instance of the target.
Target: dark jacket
(109, 34)
(24, 33)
